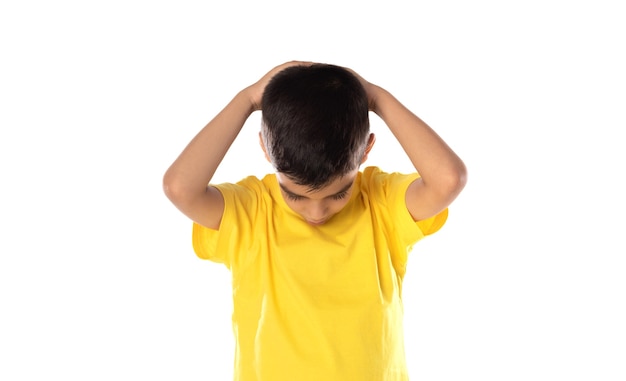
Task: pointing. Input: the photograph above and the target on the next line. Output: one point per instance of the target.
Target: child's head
(315, 123)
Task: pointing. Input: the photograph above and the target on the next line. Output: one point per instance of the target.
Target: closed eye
(340, 196)
(293, 197)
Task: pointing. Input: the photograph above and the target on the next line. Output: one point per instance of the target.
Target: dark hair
(315, 123)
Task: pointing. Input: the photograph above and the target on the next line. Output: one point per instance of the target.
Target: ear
(370, 143)
(262, 144)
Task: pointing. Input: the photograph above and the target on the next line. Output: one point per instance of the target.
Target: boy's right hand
(185, 181)
(256, 90)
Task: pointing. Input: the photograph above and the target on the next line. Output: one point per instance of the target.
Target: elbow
(184, 194)
(173, 188)
(455, 180)
(460, 178)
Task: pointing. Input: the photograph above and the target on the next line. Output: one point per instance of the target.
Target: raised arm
(186, 182)
(443, 173)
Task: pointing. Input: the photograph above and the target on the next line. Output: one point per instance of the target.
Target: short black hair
(315, 123)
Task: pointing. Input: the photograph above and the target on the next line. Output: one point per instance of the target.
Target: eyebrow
(343, 190)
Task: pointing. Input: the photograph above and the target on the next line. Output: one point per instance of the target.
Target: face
(318, 206)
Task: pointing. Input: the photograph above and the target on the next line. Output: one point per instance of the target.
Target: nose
(317, 211)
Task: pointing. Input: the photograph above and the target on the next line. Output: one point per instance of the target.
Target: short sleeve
(433, 224)
(204, 241)
(410, 231)
(388, 199)
(240, 210)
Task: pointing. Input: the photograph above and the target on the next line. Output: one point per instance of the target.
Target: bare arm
(186, 181)
(443, 173)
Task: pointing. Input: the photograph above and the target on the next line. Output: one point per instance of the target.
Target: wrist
(248, 100)
(374, 94)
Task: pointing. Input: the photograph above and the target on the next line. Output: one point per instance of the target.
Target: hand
(370, 90)
(256, 90)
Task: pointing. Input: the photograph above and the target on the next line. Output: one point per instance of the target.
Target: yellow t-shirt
(317, 302)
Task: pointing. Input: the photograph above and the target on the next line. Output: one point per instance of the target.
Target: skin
(443, 174)
(321, 205)
(318, 206)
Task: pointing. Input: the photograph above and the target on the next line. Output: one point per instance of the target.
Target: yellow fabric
(317, 303)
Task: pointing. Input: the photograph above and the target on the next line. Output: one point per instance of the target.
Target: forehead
(338, 185)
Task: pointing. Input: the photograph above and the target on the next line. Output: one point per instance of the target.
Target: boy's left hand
(370, 89)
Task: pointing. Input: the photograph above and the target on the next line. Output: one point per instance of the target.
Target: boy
(317, 250)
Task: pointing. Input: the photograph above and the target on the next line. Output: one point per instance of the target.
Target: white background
(98, 280)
